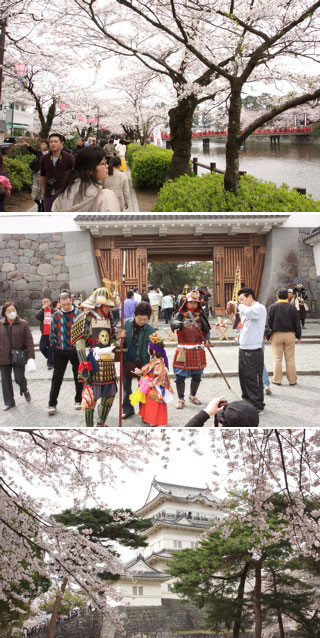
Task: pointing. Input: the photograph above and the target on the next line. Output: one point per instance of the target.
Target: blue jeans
(265, 377)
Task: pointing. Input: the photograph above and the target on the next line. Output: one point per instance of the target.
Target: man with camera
(252, 315)
(53, 170)
(232, 415)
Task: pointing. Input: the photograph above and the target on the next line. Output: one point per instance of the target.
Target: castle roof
(160, 492)
(139, 569)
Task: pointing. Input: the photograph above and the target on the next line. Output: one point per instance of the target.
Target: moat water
(297, 165)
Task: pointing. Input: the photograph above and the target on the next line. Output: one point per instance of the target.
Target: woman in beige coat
(118, 182)
(85, 189)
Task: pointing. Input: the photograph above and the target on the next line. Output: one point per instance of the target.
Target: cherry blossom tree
(31, 540)
(75, 465)
(209, 48)
(140, 105)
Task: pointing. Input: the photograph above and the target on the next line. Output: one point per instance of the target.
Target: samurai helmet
(98, 297)
(193, 295)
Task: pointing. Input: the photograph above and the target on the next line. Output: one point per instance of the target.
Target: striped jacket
(61, 327)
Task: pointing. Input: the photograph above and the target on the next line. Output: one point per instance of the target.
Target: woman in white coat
(118, 182)
(85, 189)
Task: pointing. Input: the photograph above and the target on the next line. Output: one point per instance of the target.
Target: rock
(45, 269)
(6, 267)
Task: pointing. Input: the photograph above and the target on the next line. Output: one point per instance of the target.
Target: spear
(208, 347)
(122, 298)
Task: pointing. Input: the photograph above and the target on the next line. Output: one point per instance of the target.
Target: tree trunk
(279, 615)
(181, 135)
(257, 601)
(232, 178)
(239, 601)
(56, 607)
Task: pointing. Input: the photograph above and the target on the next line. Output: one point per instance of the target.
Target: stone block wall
(88, 626)
(32, 267)
(170, 619)
(289, 260)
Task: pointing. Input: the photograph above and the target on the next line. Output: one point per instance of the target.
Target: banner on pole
(157, 136)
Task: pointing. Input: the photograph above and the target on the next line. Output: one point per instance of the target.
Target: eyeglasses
(103, 164)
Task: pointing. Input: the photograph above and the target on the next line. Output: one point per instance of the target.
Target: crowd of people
(83, 332)
(43, 624)
(91, 177)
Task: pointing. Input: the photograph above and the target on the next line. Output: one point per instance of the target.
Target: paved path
(287, 406)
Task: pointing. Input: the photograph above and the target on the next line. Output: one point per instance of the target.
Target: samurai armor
(79, 327)
(106, 373)
(195, 358)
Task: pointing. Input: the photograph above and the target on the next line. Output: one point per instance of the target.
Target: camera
(218, 418)
(51, 182)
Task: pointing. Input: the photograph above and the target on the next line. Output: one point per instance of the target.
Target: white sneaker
(52, 410)
(77, 406)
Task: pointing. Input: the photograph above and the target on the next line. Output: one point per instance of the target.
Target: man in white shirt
(253, 318)
(167, 306)
(136, 294)
(155, 299)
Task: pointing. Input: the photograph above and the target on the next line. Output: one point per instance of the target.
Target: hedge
(131, 149)
(20, 173)
(150, 167)
(207, 194)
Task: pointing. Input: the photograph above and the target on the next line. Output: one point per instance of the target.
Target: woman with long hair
(118, 182)
(85, 189)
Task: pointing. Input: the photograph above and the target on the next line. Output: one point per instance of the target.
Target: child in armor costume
(190, 359)
(94, 336)
(154, 410)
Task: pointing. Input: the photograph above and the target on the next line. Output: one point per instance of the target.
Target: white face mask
(12, 315)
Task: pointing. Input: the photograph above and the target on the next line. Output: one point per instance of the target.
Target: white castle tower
(180, 514)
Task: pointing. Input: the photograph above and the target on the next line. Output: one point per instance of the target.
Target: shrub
(206, 193)
(150, 167)
(19, 171)
(131, 149)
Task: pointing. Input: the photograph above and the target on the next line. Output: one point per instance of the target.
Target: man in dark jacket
(136, 340)
(53, 170)
(283, 319)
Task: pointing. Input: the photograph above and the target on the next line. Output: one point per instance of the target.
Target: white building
(16, 118)
(180, 514)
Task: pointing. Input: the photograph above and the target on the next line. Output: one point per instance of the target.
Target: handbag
(18, 357)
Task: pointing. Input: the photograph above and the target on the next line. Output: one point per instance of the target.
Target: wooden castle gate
(225, 251)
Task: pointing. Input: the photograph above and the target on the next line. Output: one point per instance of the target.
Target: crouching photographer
(232, 415)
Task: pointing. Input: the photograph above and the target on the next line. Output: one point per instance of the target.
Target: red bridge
(290, 130)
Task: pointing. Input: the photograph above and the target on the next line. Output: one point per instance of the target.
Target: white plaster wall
(164, 539)
(316, 254)
(49, 223)
(151, 594)
(305, 220)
